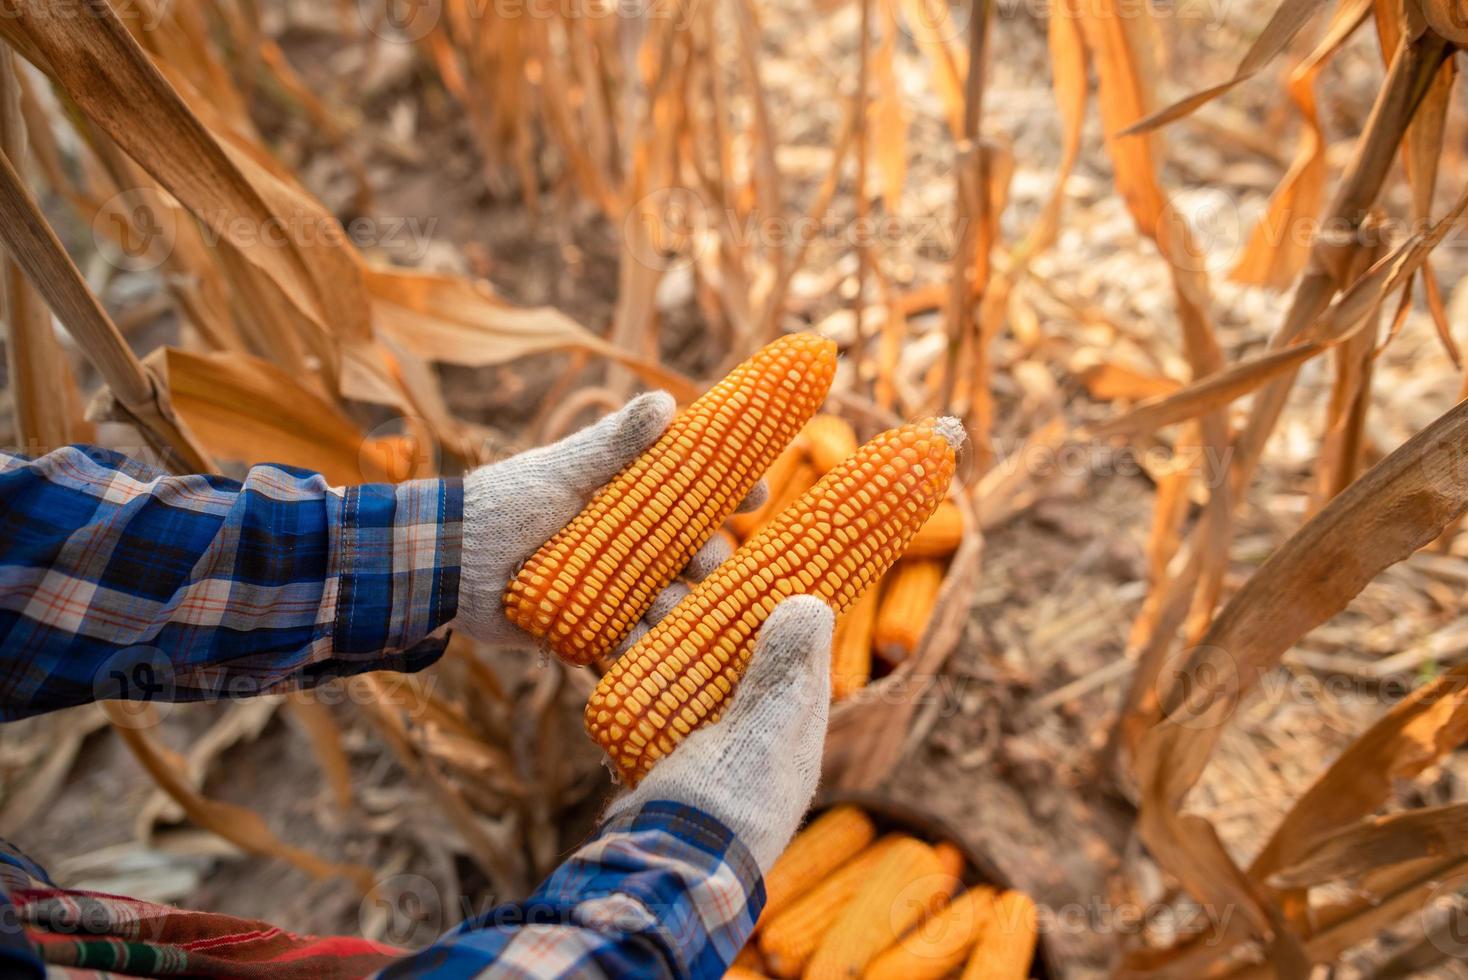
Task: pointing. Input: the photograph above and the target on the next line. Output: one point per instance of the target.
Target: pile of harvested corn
(844, 902)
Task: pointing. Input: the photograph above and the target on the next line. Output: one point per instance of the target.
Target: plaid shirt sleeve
(664, 891)
(118, 581)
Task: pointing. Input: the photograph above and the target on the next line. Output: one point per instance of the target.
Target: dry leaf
(443, 318)
(1343, 443)
(1070, 84)
(1414, 734)
(34, 247)
(249, 410)
(321, 729)
(1212, 393)
(33, 357)
(1432, 832)
(1331, 259)
(931, 26)
(1112, 381)
(1421, 152)
(888, 117)
(1398, 506)
(1340, 321)
(1277, 247)
(236, 824)
(1283, 25)
(112, 80)
(1121, 42)
(1365, 296)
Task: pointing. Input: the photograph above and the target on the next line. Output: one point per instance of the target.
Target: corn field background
(1191, 272)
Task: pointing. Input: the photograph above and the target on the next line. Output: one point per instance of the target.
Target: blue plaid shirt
(119, 581)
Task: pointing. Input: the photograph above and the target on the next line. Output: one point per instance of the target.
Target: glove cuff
(482, 577)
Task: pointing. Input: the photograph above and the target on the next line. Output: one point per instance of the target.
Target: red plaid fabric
(94, 935)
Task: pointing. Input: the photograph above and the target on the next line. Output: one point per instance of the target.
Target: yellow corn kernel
(851, 649)
(787, 941)
(1006, 943)
(816, 851)
(905, 887)
(908, 597)
(940, 943)
(832, 543)
(830, 439)
(586, 587)
(940, 537)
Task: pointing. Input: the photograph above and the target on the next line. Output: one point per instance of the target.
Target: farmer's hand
(513, 507)
(756, 769)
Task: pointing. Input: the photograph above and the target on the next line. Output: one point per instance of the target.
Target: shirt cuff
(699, 882)
(398, 555)
(706, 838)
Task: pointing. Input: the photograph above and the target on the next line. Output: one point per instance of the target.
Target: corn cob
(776, 479)
(1006, 944)
(816, 851)
(851, 650)
(589, 584)
(908, 598)
(787, 941)
(950, 858)
(939, 944)
(939, 537)
(832, 543)
(900, 891)
(831, 439)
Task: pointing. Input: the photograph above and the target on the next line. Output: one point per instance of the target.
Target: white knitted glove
(513, 507)
(756, 769)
